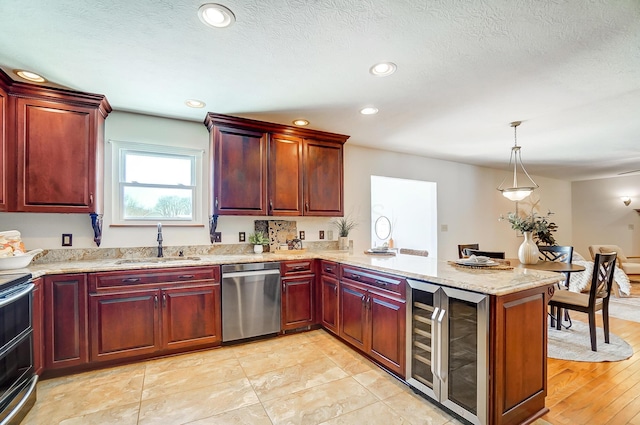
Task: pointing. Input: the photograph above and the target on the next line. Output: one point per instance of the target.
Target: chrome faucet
(160, 240)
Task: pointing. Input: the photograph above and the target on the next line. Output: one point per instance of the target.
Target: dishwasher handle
(249, 273)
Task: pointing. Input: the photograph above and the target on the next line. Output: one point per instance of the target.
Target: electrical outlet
(321, 235)
(67, 239)
(301, 235)
(217, 236)
(330, 235)
(241, 237)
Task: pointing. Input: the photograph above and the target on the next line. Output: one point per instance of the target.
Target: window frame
(120, 149)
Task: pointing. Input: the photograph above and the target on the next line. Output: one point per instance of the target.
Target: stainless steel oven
(17, 374)
(447, 347)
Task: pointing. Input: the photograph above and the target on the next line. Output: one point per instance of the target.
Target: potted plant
(258, 240)
(344, 225)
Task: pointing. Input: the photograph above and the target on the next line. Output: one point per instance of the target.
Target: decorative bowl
(18, 261)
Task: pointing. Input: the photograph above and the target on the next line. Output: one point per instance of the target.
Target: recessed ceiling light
(216, 15)
(29, 76)
(383, 69)
(195, 103)
(301, 122)
(369, 110)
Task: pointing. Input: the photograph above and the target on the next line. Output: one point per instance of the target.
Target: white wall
(600, 217)
(468, 203)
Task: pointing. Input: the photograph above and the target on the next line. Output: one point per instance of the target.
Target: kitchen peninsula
(364, 300)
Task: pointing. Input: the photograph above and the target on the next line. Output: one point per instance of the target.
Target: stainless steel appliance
(250, 300)
(447, 347)
(17, 375)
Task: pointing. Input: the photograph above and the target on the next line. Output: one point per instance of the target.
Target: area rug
(627, 308)
(575, 344)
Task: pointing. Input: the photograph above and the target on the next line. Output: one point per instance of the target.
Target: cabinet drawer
(129, 278)
(329, 268)
(292, 268)
(379, 280)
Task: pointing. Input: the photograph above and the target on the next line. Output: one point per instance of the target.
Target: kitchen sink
(156, 260)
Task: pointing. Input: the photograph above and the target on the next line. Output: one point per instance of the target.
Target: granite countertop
(486, 281)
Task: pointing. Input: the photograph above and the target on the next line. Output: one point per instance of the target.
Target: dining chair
(490, 254)
(461, 248)
(561, 254)
(597, 298)
(420, 252)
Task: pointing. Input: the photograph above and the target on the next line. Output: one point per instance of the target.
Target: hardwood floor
(597, 393)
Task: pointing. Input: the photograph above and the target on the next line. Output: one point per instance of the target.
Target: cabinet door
(4, 146)
(239, 172)
(323, 179)
(124, 324)
(352, 316)
(329, 306)
(191, 316)
(38, 322)
(66, 320)
(285, 175)
(297, 302)
(387, 318)
(56, 156)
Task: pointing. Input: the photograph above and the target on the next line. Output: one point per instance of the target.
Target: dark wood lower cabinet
(374, 323)
(191, 316)
(156, 319)
(124, 324)
(65, 318)
(297, 302)
(329, 307)
(38, 326)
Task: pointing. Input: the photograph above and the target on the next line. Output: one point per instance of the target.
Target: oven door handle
(14, 297)
(16, 409)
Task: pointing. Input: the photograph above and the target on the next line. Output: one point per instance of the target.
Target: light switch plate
(241, 237)
(67, 239)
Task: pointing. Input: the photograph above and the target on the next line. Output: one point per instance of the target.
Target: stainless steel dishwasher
(250, 300)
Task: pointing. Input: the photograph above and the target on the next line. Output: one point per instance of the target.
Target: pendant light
(517, 192)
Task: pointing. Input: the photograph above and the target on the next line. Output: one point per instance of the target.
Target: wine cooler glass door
(422, 354)
(464, 364)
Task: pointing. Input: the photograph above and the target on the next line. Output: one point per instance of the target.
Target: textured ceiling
(570, 70)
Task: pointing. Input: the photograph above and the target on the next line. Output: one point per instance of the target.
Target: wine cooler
(447, 347)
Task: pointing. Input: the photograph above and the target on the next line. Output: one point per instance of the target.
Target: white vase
(258, 249)
(528, 252)
(343, 243)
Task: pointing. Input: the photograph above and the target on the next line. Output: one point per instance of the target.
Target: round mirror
(383, 227)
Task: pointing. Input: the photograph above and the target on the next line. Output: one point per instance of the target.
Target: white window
(154, 183)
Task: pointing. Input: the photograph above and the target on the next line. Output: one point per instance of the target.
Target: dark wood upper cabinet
(54, 139)
(301, 172)
(239, 171)
(285, 175)
(323, 179)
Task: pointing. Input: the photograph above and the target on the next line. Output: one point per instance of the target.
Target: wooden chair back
(602, 279)
(562, 254)
(461, 249)
(490, 254)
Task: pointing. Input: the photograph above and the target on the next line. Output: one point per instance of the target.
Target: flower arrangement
(541, 228)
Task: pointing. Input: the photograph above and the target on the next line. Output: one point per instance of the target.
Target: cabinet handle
(328, 269)
(164, 300)
(155, 301)
(355, 277)
(335, 290)
(284, 287)
(306, 206)
(364, 301)
(270, 204)
(91, 198)
(369, 303)
(186, 276)
(299, 268)
(131, 280)
(216, 203)
(381, 282)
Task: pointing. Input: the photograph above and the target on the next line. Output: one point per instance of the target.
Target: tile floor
(306, 378)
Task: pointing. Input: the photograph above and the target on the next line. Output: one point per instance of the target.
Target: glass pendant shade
(517, 192)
